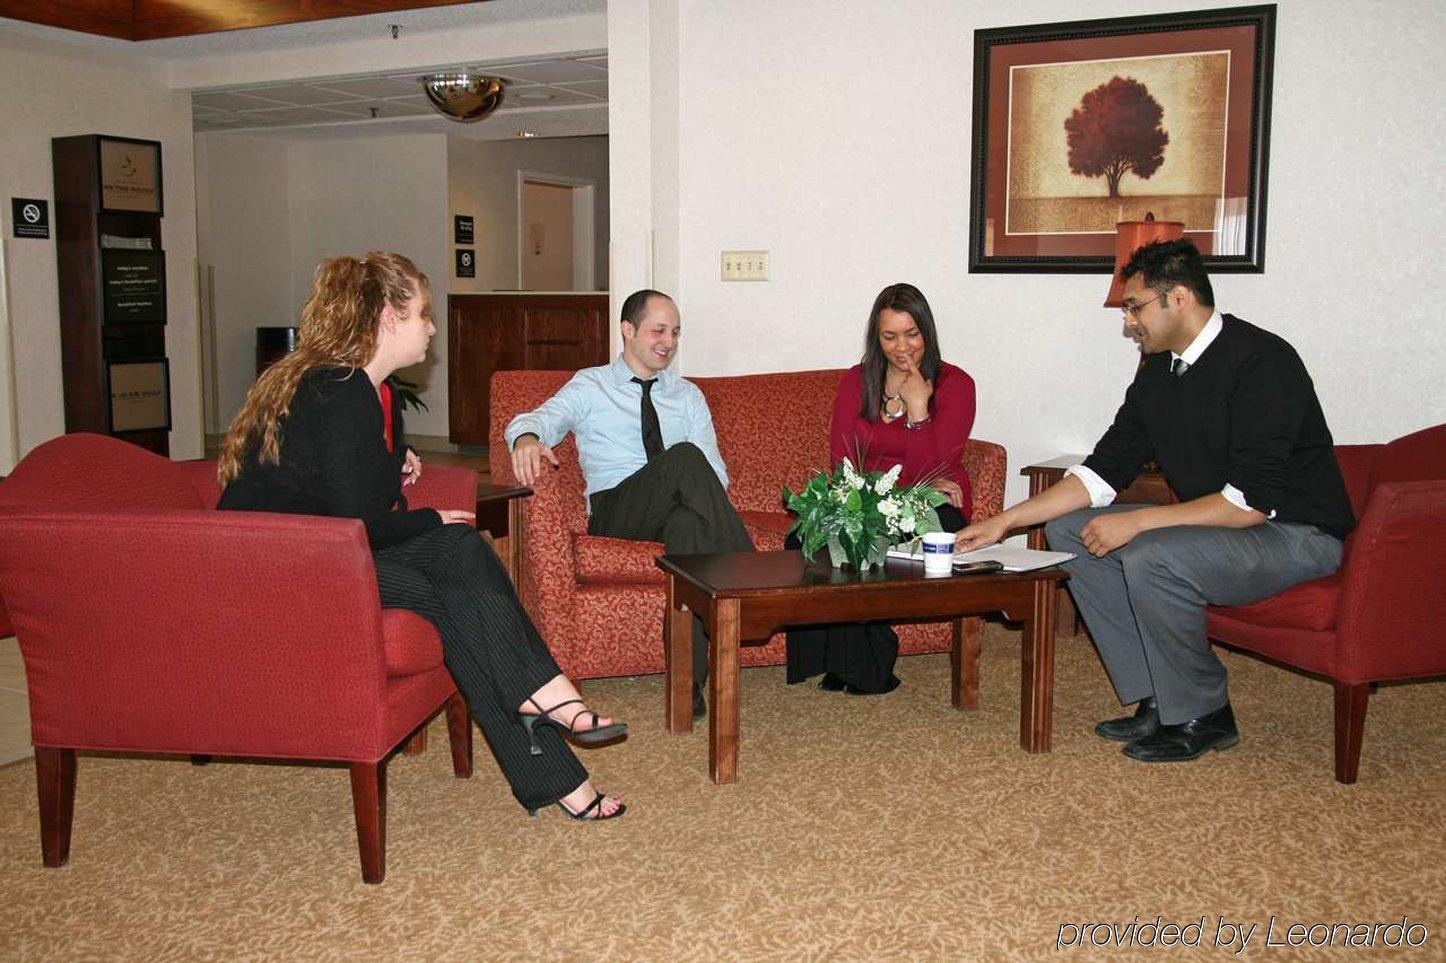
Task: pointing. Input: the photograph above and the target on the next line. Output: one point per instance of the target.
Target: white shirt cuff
(1236, 497)
(1101, 494)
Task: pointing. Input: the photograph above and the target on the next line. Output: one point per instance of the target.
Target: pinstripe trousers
(453, 579)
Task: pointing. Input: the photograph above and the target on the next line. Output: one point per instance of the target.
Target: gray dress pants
(1145, 603)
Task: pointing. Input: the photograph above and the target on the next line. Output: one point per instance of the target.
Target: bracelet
(911, 425)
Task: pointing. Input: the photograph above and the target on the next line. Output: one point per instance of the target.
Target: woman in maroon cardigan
(902, 405)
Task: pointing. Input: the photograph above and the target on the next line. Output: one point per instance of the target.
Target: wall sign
(130, 175)
(134, 286)
(140, 395)
(466, 263)
(463, 228)
(30, 217)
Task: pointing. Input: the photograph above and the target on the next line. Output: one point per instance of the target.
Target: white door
(547, 254)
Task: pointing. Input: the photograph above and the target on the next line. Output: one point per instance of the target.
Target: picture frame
(130, 176)
(138, 393)
(1080, 125)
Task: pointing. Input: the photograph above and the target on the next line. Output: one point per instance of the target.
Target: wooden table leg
(678, 651)
(964, 663)
(1064, 605)
(1036, 697)
(723, 691)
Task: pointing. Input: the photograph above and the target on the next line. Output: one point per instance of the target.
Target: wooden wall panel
(154, 19)
(488, 333)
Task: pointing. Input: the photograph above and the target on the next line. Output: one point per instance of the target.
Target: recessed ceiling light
(526, 133)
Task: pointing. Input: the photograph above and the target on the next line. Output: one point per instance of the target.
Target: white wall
(244, 240)
(483, 183)
(381, 194)
(273, 209)
(852, 166)
(52, 91)
(9, 440)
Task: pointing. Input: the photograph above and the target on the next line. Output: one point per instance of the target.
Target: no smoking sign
(466, 263)
(30, 217)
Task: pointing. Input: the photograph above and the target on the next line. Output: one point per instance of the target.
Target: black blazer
(334, 461)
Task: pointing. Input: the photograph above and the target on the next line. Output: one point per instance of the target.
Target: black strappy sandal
(587, 737)
(594, 806)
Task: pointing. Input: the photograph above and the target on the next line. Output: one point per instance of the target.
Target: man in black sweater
(1230, 415)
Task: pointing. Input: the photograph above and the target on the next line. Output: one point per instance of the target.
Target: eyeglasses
(1133, 310)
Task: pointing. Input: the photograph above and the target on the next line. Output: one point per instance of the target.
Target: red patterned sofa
(1379, 618)
(599, 601)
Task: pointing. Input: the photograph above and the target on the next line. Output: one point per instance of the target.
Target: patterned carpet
(886, 828)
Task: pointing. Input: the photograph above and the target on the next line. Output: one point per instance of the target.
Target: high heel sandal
(587, 737)
(582, 814)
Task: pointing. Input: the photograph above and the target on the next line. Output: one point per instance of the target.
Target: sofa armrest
(1389, 621)
(173, 630)
(201, 473)
(443, 486)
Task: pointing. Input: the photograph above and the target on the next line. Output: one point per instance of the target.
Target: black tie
(652, 431)
(1179, 366)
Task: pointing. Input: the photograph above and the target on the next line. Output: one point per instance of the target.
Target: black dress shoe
(1129, 728)
(1189, 740)
(700, 708)
(832, 683)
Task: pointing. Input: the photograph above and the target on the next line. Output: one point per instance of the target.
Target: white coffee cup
(938, 553)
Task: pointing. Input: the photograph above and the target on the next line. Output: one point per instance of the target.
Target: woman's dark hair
(910, 300)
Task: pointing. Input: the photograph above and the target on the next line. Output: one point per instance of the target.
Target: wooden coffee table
(747, 596)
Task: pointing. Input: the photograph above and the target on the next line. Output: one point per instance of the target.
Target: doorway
(555, 246)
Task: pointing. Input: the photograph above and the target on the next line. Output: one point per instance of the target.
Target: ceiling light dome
(464, 96)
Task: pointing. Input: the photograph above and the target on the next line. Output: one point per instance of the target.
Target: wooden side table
(1148, 488)
(490, 499)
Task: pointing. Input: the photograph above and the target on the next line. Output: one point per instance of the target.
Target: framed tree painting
(1078, 126)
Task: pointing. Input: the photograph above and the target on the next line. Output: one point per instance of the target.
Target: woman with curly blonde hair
(321, 434)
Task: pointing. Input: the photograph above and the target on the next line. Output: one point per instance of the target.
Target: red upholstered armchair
(1379, 618)
(150, 623)
(599, 601)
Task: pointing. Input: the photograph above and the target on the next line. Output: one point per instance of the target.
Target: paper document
(1013, 559)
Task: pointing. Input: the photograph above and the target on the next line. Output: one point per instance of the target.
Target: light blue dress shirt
(602, 407)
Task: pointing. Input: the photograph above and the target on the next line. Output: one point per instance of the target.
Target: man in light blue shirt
(647, 449)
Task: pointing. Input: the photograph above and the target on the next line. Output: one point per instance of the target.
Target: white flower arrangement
(858, 515)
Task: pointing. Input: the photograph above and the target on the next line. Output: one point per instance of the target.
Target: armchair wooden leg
(1350, 727)
(416, 745)
(459, 732)
(369, 801)
(55, 787)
